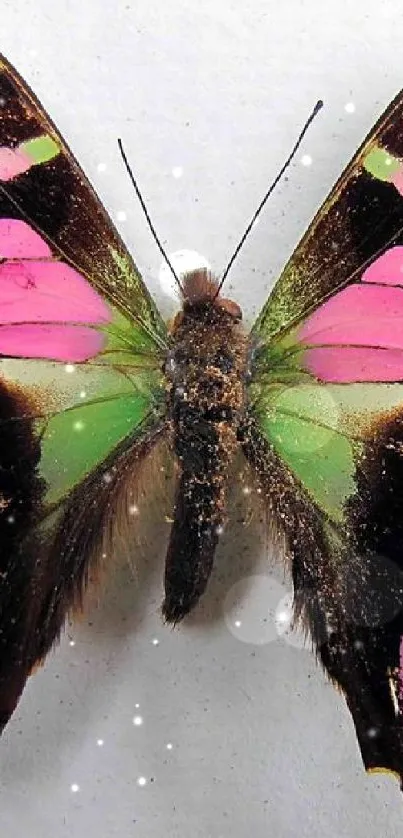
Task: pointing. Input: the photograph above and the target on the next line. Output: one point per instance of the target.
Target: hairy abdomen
(206, 403)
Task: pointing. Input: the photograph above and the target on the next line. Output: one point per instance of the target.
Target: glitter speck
(137, 721)
(83, 394)
(121, 215)
(72, 642)
(137, 706)
(246, 490)
(220, 530)
(2, 102)
(306, 160)
(155, 641)
(141, 781)
(100, 742)
(10, 519)
(283, 618)
(107, 477)
(69, 367)
(101, 167)
(133, 509)
(79, 425)
(238, 624)
(372, 732)
(169, 746)
(177, 171)
(74, 787)
(349, 107)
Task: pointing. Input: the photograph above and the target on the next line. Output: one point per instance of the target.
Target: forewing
(43, 189)
(362, 216)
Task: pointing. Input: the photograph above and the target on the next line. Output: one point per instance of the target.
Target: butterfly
(312, 397)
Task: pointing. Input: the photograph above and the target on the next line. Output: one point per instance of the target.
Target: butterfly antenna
(146, 213)
(315, 111)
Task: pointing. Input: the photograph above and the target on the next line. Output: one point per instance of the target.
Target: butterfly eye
(231, 308)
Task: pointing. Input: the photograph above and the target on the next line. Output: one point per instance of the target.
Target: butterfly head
(200, 288)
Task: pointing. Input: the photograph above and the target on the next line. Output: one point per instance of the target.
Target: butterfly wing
(43, 185)
(326, 434)
(81, 389)
(361, 217)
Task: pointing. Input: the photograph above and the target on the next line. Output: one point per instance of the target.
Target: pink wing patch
(47, 309)
(19, 241)
(58, 343)
(388, 269)
(357, 335)
(13, 162)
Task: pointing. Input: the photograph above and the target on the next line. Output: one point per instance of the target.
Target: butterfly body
(207, 369)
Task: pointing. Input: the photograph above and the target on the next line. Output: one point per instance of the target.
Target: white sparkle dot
(83, 394)
(155, 641)
(372, 732)
(246, 490)
(75, 787)
(283, 619)
(137, 706)
(100, 742)
(72, 642)
(137, 721)
(121, 215)
(69, 367)
(177, 171)
(2, 102)
(249, 609)
(10, 519)
(141, 781)
(104, 555)
(169, 746)
(306, 160)
(349, 107)
(388, 161)
(79, 425)
(107, 477)
(133, 509)
(220, 530)
(101, 167)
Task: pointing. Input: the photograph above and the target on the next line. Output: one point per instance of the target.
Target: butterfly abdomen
(206, 401)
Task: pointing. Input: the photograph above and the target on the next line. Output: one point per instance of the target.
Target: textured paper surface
(216, 729)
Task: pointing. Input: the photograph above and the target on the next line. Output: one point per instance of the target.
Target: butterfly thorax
(206, 370)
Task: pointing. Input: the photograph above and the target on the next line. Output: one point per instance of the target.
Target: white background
(260, 744)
